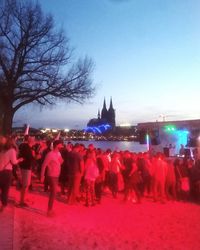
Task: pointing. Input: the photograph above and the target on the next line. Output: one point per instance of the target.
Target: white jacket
(8, 159)
(52, 161)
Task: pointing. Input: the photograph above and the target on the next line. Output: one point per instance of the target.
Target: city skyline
(146, 56)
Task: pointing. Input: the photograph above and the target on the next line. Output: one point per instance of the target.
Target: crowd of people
(83, 174)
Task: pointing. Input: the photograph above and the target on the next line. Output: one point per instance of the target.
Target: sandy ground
(110, 225)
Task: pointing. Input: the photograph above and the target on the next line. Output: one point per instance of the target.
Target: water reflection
(116, 145)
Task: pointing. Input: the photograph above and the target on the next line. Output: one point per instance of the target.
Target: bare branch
(33, 57)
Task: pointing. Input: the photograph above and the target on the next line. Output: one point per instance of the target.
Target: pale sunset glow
(146, 56)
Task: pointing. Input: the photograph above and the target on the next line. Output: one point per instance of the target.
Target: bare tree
(35, 62)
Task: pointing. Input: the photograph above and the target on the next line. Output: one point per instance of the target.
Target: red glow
(110, 225)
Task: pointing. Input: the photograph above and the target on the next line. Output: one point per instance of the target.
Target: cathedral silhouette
(105, 120)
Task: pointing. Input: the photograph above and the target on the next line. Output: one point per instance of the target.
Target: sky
(146, 55)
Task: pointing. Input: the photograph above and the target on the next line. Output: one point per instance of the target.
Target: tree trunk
(7, 121)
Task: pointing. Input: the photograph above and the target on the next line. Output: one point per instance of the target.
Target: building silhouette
(105, 120)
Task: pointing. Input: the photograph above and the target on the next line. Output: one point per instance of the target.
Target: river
(116, 145)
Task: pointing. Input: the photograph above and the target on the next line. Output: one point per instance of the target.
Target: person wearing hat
(52, 162)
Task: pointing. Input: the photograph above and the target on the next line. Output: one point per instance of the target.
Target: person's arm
(134, 168)
(61, 158)
(81, 166)
(44, 165)
(13, 157)
(121, 166)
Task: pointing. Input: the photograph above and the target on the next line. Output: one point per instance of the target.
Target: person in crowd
(64, 174)
(195, 178)
(83, 151)
(91, 173)
(101, 178)
(148, 177)
(87, 171)
(170, 185)
(47, 148)
(159, 178)
(145, 174)
(136, 180)
(15, 169)
(91, 147)
(115, 168)
(76, 169)
(39, 148)
(27, 153)
(52, 162)
(182, 178)
(8, 158)
(182, 150)
(126, 173)
(107, 161)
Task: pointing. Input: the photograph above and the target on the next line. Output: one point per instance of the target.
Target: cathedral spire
(104, 111)
(104, 104)
(111, 104)
(99, 117)
(111, 114)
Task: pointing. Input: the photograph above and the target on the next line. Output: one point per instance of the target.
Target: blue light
(182, 136)
(98, 129)
(147, 138)
(102, 128)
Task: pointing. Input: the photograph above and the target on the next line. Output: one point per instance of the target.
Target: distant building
(170, 133)
(105, 120)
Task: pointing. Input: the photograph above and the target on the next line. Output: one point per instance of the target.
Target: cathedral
(105, 120)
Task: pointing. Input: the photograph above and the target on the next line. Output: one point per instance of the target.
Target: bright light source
(125, 125)
(170, 128)
(182, 136)
(147, 140)
(98, 129)
(54, 130)
(66, 130)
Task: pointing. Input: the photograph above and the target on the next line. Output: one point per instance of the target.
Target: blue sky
(146, 55)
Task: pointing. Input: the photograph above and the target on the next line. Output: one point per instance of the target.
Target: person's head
(82, 147)
(108, 151)
(160, 156)
(115, 156)
(10, 143)
(91, 146)
(14, 137)
(58, 144)
(26, 138)
(127, 154)
(76, 147)
(69, 146)
(91, 155)
(2, 142)
(31, 140)
(99, 151)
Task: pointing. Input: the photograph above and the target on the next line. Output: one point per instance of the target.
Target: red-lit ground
(111, 225)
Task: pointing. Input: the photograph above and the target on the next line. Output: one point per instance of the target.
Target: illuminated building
(105, 122)
(170, 133)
